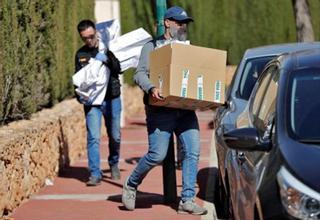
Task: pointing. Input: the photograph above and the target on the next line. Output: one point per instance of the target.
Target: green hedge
(38, 40)
(232, 25)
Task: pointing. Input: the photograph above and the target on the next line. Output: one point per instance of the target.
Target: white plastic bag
(92, 81)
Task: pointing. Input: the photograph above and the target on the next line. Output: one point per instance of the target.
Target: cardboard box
(189, 77)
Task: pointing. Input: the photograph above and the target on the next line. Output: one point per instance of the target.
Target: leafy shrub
(38, 40)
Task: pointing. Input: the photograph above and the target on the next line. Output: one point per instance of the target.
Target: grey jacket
(141, 76)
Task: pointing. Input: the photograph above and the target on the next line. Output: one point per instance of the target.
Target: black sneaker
(93, 181)
(115, 172)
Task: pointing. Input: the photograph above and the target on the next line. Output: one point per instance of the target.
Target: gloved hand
(101, 56)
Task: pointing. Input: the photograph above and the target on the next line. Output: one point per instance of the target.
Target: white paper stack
(127, 48)
(108, 30)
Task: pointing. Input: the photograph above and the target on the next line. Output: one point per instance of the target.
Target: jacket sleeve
(141, 76)
(113, 63)
(77, 63)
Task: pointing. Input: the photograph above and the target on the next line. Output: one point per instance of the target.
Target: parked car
(272, 165)
(248, 70)
(239, 91)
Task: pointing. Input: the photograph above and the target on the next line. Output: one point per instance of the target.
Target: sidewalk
(69, 199)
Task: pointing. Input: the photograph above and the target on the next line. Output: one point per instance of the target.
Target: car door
(261, 114)
(238, 94)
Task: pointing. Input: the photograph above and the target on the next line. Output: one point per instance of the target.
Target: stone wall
(32, 151)
(133, 101)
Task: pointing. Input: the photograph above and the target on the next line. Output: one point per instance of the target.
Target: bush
(38, 40)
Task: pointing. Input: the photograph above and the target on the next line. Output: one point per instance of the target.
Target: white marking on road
(79, 197)
(146, 142)
(122, 160)
(84, 197)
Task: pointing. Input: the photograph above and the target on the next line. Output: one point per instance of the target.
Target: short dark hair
(84, 24)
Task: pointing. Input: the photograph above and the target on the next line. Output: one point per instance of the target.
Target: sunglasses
(90, 37)
(179, 22)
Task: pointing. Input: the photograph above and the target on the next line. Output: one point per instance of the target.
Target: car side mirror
(246, 139)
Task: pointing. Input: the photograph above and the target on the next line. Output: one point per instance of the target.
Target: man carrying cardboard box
(163, 121)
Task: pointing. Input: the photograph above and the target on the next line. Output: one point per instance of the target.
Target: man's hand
(156, 95)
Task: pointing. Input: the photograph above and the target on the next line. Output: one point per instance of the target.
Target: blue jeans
(111, 111)
(161, 123)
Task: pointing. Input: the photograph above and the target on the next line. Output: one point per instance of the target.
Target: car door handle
(241, 157)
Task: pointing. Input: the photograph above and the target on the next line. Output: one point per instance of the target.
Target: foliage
(38, 40)
(232, 25)
(314, 6)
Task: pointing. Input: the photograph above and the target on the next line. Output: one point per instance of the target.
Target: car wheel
(221, 199)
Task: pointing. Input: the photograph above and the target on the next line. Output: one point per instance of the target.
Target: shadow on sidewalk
(132, 160)
(138, 123)
(80, 173)
(144, 200)
(106, 173)
(206, 180)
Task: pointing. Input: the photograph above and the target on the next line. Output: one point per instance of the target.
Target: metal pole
(168, 166)
(161, 8)
(169, 175)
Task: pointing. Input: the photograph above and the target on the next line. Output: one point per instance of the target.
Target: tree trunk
(303, 21)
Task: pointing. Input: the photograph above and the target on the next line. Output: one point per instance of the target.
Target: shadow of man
(80, 173)
(206, 180)
(144, 200)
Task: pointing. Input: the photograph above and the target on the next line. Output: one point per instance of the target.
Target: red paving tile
(70, 199)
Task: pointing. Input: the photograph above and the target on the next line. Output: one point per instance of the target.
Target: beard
(178, 33)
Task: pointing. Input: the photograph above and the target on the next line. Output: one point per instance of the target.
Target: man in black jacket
(110, 108)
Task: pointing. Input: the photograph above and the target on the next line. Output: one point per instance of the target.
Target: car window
(260, 91)
(304, 104)
(264, 106)
(268, 106)
(263, 103)
(250, 74)
(230, 86)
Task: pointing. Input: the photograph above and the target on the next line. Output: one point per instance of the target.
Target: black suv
(272, 167)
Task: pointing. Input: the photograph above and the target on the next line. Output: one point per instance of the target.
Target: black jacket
(82, 58)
